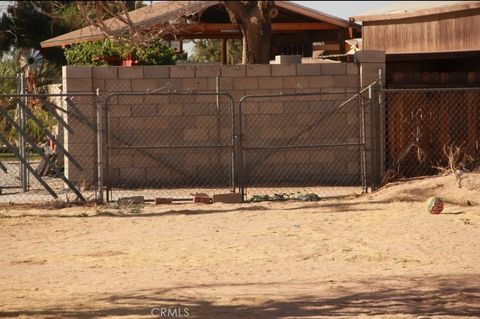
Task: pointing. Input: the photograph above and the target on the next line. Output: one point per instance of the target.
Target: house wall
(446, 32)
(174, 117)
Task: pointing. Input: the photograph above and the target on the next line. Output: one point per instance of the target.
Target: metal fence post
(373, 140)
(363, 148)
(239, 156)
(21, 140)
(100, 145)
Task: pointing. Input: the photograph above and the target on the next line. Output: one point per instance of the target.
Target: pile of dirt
(420, 189)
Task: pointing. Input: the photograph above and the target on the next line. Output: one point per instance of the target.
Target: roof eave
(315, 14)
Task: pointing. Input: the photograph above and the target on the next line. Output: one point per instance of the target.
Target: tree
(254, 20)
(209, 50)
(27, 23)
(252, 17)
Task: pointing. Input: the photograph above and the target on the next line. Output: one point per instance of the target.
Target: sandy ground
(381, 255)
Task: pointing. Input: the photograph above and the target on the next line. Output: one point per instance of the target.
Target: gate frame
(360, 121)
(107, 147)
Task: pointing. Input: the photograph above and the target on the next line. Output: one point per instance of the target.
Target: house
(295, 28)
(427, 43)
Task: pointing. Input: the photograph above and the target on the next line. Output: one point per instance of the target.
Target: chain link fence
(302, 145)
(163, 143)
(38, 163)
(428, 130)
(169, 145)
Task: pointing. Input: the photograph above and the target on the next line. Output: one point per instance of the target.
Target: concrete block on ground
(161, 201)
(202, 198)
(231, 198)
(133, 200)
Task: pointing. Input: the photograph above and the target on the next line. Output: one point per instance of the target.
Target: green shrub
(106, 52)
(93, 53)
(155, 54)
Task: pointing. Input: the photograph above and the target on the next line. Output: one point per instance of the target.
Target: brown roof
(411, 9)
(164, 12)
(160, 12)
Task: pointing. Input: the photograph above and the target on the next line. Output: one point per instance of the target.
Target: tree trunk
(253, 19)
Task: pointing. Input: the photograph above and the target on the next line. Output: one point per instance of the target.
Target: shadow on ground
(441, 297)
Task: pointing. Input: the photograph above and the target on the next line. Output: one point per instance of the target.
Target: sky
(344, 9)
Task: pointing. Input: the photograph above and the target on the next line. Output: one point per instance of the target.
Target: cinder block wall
(173, 120)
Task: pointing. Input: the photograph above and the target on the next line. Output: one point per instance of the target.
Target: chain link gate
(51, 142)
(302, 145)
(171, 145)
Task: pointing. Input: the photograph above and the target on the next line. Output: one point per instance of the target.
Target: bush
(106, 52)
(93, 53)
(155, 54)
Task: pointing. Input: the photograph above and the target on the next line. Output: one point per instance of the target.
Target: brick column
(81, 142)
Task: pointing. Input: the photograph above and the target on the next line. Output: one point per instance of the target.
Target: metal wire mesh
(298, 144)
(424, 125)
(169, 145)
(48, 147)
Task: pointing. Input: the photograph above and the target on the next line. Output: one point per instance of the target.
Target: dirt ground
(381, 255)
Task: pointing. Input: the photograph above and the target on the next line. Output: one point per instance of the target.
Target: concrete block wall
(187, 120)
(81, 141)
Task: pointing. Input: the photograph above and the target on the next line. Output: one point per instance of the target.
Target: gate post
(100, 145)
(370, 63)
(239, 157)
